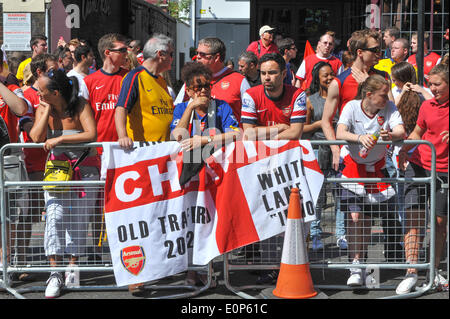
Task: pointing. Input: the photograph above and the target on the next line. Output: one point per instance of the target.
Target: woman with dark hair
(65, 118)
(322, 75)
(404, 77)
(201, 122)
(192, 125)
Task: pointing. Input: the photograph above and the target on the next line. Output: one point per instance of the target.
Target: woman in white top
(358, 122)
(65, 118)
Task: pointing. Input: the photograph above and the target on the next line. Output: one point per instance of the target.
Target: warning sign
(16, 31)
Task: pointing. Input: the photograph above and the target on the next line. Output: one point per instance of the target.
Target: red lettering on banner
(147, 182)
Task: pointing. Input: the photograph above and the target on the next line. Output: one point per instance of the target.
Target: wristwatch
(210, 139)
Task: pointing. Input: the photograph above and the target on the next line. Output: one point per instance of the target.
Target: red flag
(308, 49)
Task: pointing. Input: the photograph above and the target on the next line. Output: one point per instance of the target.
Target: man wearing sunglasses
(227, 85)
(265, 44)
(365, 46)
(144, 110)
(103, 86)
(324, 51)
(289, 51)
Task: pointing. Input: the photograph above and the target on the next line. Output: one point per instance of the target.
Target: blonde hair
(132, 60)
(371, 84)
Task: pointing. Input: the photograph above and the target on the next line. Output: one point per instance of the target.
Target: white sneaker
(72, 278)
(407, 284)
(356, 276)
(316, 243)
(54, 285)
(342, 242)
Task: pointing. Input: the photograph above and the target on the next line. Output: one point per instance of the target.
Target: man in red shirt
(365, 46)
(265, 44)
(227, 85)
(273, 110)
(103, 86)
(324, 52)
(430, 59)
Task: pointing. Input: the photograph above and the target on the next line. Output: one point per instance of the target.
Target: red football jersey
(259, 49)
(348, 87)
(260, 110)
(104, 89)
(429, 61)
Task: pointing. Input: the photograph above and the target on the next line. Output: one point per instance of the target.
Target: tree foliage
(179, 9)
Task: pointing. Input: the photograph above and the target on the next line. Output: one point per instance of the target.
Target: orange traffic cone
(294, 280)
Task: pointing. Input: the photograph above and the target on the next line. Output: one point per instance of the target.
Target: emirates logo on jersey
(380, 120)
(429, 63)
(2, 103)
(225, 85)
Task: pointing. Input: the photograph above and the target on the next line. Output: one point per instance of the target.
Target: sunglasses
(168, 53)
(121, 50)
(199, 88)
(376, 49)
(293, 48)
(204, 55)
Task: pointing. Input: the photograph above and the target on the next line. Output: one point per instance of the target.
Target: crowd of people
(356, 96)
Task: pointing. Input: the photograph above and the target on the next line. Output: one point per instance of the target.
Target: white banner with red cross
(156, 227)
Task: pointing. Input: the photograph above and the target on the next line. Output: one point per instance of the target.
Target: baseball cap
(265, 28)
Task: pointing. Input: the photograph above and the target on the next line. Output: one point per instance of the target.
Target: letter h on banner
(156, 178)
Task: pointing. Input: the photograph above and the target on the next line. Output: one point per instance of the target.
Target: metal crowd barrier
(262, 256)
(265, 256)
(25, 236)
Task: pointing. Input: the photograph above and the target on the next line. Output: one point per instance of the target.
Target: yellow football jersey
(149, 104)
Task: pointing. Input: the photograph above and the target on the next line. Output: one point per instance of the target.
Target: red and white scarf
(372, 192)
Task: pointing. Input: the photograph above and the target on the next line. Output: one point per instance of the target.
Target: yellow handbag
(57, 171)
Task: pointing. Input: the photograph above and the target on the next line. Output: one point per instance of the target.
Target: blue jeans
(315, 229)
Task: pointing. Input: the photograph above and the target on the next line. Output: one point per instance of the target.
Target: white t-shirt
(358, 122)
(82, 86)
(396, 92)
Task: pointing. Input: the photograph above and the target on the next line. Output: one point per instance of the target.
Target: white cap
(265, 28)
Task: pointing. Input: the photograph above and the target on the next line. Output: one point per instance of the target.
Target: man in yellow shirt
(399, 53)
(144, 110)
(38, 46)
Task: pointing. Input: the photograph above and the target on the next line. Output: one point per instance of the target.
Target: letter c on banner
(120, 190)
